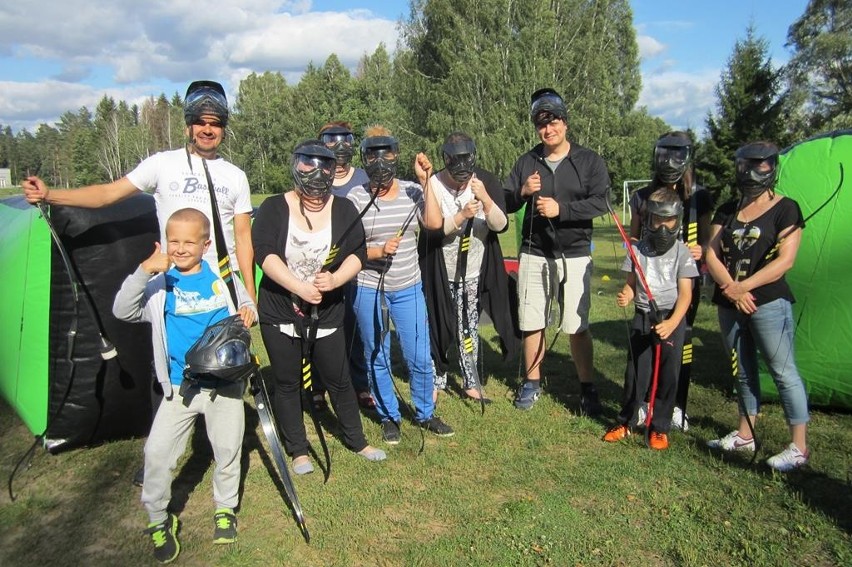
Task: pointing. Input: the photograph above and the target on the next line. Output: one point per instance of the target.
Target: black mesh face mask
(754, 178)
(341, 144)
(380, 155)
(670, 162)
(460, 159)
(662, 238)
(757, 167)
(313, 174)
(380, 166)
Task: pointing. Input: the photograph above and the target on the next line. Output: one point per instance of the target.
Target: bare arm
(90, 197)
(432, 217)
(349, 268)
(245, 252)
(664, 329)
(713, 258)
(788, 247)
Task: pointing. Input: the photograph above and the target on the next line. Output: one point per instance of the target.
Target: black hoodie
(581, 186)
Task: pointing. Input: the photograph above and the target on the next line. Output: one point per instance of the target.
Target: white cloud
(681, 99)
(28, 104)
(649, 47)
(144, 45)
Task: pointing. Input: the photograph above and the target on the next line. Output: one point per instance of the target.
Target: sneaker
(390, 432)
(658, 441)
(732, 442)
(680, 420)
(139, 477)
(590, 404)
(226, 526)
(788, 459)
(617, 433)
(527, 394)
(164, 537)
(438, 427)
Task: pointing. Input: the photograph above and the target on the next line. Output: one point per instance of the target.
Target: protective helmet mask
(670, 162)
(339, 140)
(205, 97)
(661, 237)
(460, 159)
(757, 166)
(223, 351)
(313, 170)
(380, 155)
(546, 106)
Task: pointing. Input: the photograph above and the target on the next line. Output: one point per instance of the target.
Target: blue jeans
(771, 330)
(407, 309)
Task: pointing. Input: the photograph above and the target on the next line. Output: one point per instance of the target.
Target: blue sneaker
(527, 394)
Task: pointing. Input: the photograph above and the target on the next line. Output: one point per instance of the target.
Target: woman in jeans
(754, 242)
(389, 287)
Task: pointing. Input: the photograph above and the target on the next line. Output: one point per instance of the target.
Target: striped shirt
(381, 223)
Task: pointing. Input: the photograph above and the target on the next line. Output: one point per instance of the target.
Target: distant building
(5, 177)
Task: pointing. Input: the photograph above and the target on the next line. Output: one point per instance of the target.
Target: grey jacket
(142, 298)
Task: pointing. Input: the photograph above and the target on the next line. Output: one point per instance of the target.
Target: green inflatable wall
(24, 320)
(817, 173)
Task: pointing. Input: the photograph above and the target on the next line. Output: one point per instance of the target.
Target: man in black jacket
(564, 186)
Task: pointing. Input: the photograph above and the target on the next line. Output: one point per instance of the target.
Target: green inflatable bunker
(817, 173)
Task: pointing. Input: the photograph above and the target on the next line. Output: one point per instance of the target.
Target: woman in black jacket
(309, 244)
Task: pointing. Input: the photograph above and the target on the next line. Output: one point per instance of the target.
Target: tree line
(471, 65)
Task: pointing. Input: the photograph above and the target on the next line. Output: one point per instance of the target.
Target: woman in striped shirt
(389, 287)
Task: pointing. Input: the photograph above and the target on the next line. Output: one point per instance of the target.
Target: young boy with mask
(667, 266)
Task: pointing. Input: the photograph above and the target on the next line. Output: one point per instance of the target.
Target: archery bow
(257, 383)
(308, 332)
(691, 231)
(654, 317)
(107, 350)
(385, 318)
(466, 347)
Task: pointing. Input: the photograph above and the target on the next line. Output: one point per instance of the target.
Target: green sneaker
(226, 526)
(164, 537)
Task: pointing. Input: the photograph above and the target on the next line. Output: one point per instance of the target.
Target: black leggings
(329, 359)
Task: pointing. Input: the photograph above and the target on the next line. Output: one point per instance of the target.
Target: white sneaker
(732, 442)
(680, 420)
(788, 459)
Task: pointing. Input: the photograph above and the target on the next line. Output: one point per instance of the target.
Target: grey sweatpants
(225, 420)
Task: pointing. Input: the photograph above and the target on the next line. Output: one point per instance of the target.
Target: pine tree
(749, 107)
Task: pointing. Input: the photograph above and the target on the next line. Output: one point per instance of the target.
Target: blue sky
(66, 54)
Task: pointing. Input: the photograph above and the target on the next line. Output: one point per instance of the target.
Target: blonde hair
(376, 130)
(191, 215)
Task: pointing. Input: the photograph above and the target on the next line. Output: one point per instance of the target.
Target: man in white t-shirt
(178, 180)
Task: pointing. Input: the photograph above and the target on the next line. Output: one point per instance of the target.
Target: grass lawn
(510, 488)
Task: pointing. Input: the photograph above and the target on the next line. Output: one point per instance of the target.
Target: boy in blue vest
(180, 295)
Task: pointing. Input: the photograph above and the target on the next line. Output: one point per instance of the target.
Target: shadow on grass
(829, 495)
